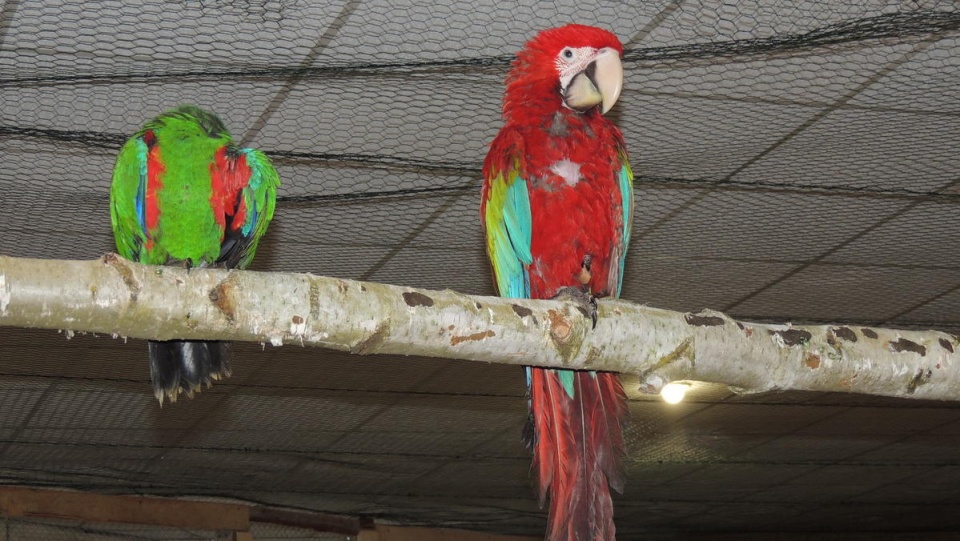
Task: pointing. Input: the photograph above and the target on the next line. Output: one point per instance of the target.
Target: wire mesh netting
(794, 161)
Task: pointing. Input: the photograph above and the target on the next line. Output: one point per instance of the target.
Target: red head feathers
(574, 66)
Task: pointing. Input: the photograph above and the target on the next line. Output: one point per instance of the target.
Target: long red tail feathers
(578, 451)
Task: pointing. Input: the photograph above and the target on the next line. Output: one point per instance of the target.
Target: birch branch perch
(115, 296)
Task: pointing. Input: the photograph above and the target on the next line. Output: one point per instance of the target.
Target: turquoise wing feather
(625, 181)
(127, 199)
(509, 231)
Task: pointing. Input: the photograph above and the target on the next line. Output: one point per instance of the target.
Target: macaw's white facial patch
(573, 60)
(568, 171)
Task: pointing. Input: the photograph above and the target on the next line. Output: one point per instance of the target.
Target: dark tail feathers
(185, 366)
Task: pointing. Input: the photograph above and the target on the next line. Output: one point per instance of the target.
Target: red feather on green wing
(229, 175)
(151, 201)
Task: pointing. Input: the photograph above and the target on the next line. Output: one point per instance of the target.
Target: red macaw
(557, 210)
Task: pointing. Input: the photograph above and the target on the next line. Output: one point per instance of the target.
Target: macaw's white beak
(598, 84)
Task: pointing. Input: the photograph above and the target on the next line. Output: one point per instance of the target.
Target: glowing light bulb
(673, 393)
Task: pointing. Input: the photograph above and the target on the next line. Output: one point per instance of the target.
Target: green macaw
(185, 194)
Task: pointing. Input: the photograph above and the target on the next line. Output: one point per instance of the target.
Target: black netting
(794, 161)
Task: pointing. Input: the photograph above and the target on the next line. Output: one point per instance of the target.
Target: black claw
(586, 302)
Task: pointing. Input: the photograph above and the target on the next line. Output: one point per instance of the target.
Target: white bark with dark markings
(115, 296)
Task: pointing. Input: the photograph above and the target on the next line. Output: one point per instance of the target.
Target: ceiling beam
(88, 507)
(231, 519)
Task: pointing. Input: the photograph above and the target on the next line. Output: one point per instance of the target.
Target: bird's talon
(585, 302)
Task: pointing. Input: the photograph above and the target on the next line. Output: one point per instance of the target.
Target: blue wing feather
(141, 203)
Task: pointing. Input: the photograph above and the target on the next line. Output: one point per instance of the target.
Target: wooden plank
(88, 507)
(404, 533)
(368, 535)
(314, 521)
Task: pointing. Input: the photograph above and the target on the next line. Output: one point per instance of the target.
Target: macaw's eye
(567, 53)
